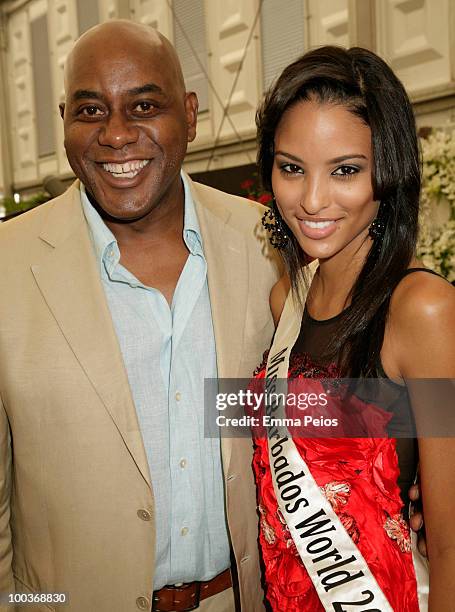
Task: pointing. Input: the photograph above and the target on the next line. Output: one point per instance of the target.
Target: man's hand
(416, 519)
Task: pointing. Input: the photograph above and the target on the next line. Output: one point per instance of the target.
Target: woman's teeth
(128, 169)
(318, 224)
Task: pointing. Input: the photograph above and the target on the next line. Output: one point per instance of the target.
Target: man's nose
(118, 131)
(314, 196)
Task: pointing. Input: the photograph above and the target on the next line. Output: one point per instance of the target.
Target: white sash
(335, 565)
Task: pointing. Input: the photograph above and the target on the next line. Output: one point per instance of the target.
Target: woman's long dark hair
(362, 82)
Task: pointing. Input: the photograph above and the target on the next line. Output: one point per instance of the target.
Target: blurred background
(231, 51)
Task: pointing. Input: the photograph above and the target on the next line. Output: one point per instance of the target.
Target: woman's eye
(291, 169)
(345, 171)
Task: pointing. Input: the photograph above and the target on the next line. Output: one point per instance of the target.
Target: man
(118, 299)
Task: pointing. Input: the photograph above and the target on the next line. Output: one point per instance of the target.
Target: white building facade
(231, 50)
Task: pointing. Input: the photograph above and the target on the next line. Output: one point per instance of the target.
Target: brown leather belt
(188, 596)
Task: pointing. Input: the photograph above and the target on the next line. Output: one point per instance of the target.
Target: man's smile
(127, 170)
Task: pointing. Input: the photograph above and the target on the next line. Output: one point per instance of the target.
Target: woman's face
(321, 179)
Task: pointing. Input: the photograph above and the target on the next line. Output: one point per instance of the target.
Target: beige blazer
(76, 497)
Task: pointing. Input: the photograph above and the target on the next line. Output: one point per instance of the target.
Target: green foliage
(436, 246)
(11, 206)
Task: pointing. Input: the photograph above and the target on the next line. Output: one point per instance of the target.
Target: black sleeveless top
(313, 340)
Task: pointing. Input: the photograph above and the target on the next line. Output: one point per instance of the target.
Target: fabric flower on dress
(290, 544)
(337, 493)
(350, 525)
(397, 529)
(267, 530)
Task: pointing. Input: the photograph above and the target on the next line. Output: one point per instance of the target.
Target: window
(44, 100)
(282, 27)
(190, 43)
(88, 14)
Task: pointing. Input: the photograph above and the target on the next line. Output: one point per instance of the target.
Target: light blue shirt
(168, 351)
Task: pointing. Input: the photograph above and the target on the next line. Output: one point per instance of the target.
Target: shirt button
(184, 531)
(144, 514)
(183, 463)
(143, 603)
(178, 396)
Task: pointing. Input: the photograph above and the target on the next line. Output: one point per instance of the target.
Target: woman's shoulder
(422, 295)
(422, 323)
(283, 286)
(278, 296)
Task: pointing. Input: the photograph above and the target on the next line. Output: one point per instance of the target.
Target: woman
(338, 149)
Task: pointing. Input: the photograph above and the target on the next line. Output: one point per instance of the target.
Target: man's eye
(144, 107)
(345, 171)
(91, 111)
(291, 169)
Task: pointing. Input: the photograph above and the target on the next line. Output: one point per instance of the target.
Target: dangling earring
(376, 230)
(273, 223)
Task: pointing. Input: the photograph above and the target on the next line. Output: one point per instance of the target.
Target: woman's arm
(422, 334)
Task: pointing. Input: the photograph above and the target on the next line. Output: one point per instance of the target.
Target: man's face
(127, 122)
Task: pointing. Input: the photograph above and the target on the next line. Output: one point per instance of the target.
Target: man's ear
(61, 108)
(191, 108)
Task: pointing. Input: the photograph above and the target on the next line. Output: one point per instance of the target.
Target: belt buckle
(181, 588)
(197, 598)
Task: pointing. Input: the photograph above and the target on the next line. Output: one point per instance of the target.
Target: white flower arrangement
(436, 247)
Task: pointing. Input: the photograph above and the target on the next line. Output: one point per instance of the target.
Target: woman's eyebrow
(293, 157)
(335, 160)
(342, 158)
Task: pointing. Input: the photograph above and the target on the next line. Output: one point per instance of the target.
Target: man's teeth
(128, 169)
(318, 224)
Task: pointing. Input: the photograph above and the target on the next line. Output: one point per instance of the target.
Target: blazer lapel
(227, 274)
(69, 280)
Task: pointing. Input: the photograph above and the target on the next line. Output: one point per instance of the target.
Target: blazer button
(143, 603)
(144, 515)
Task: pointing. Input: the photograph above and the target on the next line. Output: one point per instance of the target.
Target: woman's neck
(332, 284)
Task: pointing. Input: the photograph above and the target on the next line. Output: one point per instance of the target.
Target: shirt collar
(103, 239)
(105, 243)
(191, 229)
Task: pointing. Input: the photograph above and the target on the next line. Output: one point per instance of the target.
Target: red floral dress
(359, 478)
